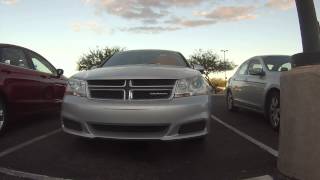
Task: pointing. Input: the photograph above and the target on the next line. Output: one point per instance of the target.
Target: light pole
(225, 64)
(310, 33)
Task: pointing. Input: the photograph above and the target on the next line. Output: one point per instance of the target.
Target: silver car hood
(138, 72)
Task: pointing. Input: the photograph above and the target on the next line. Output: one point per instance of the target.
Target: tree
(96, 57)
(209, 60)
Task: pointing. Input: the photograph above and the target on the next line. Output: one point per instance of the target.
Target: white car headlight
(194, 86)
(77, 87)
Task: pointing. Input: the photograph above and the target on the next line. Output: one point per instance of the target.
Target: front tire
(273, 110)
(230, 102)
(3, 116)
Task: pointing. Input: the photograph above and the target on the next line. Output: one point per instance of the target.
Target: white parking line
(218, 94)
(247, 137)
(266, 177)
(26, 175)
(20, 146)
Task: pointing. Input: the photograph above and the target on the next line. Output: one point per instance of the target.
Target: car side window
(14, 56)
(254, 65)
(40, 64)
(285, 67)
(243, 69)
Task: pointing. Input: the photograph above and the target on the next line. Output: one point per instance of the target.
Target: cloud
(150, 21)
(220, 14)
(280, 4)
(90, 26)
(141, 9)
(155, 16)
(229, 13)
(150, 29)
(149, 14)
(196, 23)
(189, 22)
(9, 2)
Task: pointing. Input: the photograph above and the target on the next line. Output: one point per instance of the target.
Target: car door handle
(6, 71)
(43, 76)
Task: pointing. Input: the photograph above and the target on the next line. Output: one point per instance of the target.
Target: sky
(62, 31)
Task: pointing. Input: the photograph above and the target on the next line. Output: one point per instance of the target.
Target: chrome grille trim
(128, 90)
(107, 86)
(120, 90)
(132, 97)
(157, 86)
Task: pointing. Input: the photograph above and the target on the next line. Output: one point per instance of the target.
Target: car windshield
(146, 57)
(278, 63)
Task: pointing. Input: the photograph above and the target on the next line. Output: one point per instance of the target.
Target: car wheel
(273, 110)
(230, 102)
(3, 117)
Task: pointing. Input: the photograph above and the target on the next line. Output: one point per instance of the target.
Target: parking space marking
(247, 137)
(27, 143)
(218, 94)
(26, 175)
(266, 177)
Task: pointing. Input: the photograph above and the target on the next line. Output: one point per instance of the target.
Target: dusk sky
(63, 30)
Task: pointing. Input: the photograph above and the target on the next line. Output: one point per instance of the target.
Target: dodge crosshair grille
(141, 89)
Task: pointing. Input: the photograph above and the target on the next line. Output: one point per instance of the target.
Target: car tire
(230, 102)
(273, 110)
(3, 116)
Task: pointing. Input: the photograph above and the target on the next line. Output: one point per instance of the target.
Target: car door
(22, 85)
(53, 93)
(239, 84)
(256, 83)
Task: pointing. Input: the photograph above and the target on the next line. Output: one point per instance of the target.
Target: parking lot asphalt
(37, 149)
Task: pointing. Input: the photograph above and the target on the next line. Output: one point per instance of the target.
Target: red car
(28, 84)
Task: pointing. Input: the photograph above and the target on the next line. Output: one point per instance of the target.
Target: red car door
(60, 84)
(55, 86)
(22, 85)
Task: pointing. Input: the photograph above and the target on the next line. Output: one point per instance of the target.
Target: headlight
(194, 86)
(77, 87)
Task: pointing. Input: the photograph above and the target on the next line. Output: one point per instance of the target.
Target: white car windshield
(278, 63)
(146, 57)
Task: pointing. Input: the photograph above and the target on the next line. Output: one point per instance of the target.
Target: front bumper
(178, 118)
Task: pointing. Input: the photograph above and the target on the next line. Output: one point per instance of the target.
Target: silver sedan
(139, 95)
(256, 86)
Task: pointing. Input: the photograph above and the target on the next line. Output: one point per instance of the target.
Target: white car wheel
(230, 102)
(274, 110)
(2, 116)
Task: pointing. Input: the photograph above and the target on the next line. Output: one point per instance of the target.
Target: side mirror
(198, 68)
(93, 67)
(257, 72)
(60, 72)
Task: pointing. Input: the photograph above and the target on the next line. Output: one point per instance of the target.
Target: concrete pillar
(299, 149)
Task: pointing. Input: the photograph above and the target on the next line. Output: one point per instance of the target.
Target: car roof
(267, 56)
(150, 50)
(12, 45)
(16, 46)
(264, 56)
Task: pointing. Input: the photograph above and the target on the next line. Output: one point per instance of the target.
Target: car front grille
(141, 89)
(130, 128)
